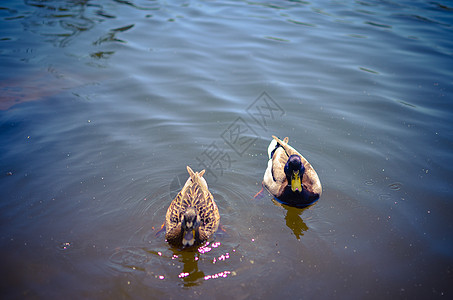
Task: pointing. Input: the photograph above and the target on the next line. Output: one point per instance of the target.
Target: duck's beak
(189, 238)
(296, 184)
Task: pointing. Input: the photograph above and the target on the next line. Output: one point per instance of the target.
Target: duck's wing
(177, 207)
(196, 194)
(207, 208)
(210, 216)
(278, 165)
(274, 177)
(173, 217)
(310, 180)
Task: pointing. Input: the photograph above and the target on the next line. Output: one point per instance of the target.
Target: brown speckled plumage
(194, 194)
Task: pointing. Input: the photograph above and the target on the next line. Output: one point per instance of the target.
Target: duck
(289, 177)
(193, 216)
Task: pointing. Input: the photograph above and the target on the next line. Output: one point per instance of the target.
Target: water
(104, 104)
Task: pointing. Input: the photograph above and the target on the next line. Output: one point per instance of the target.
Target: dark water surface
(104, 104)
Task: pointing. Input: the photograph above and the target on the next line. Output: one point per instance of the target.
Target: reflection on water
(131, 92)
(190, 273)
(36, 86)
(61, 22)
(173, 264)
(294, 220)
(111, 37)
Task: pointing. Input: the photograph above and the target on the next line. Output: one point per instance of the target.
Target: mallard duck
(192, 217)
(289, 177)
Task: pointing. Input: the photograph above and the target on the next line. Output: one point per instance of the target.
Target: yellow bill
(296, 184)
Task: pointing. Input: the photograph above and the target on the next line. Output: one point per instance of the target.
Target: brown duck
(193, 216)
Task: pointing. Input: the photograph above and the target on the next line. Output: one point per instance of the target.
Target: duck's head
(190, 222)
(294, 170)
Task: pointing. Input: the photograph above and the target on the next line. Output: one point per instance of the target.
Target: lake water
(104, 104)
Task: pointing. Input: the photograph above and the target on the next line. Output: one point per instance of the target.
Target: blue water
(103, 104)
